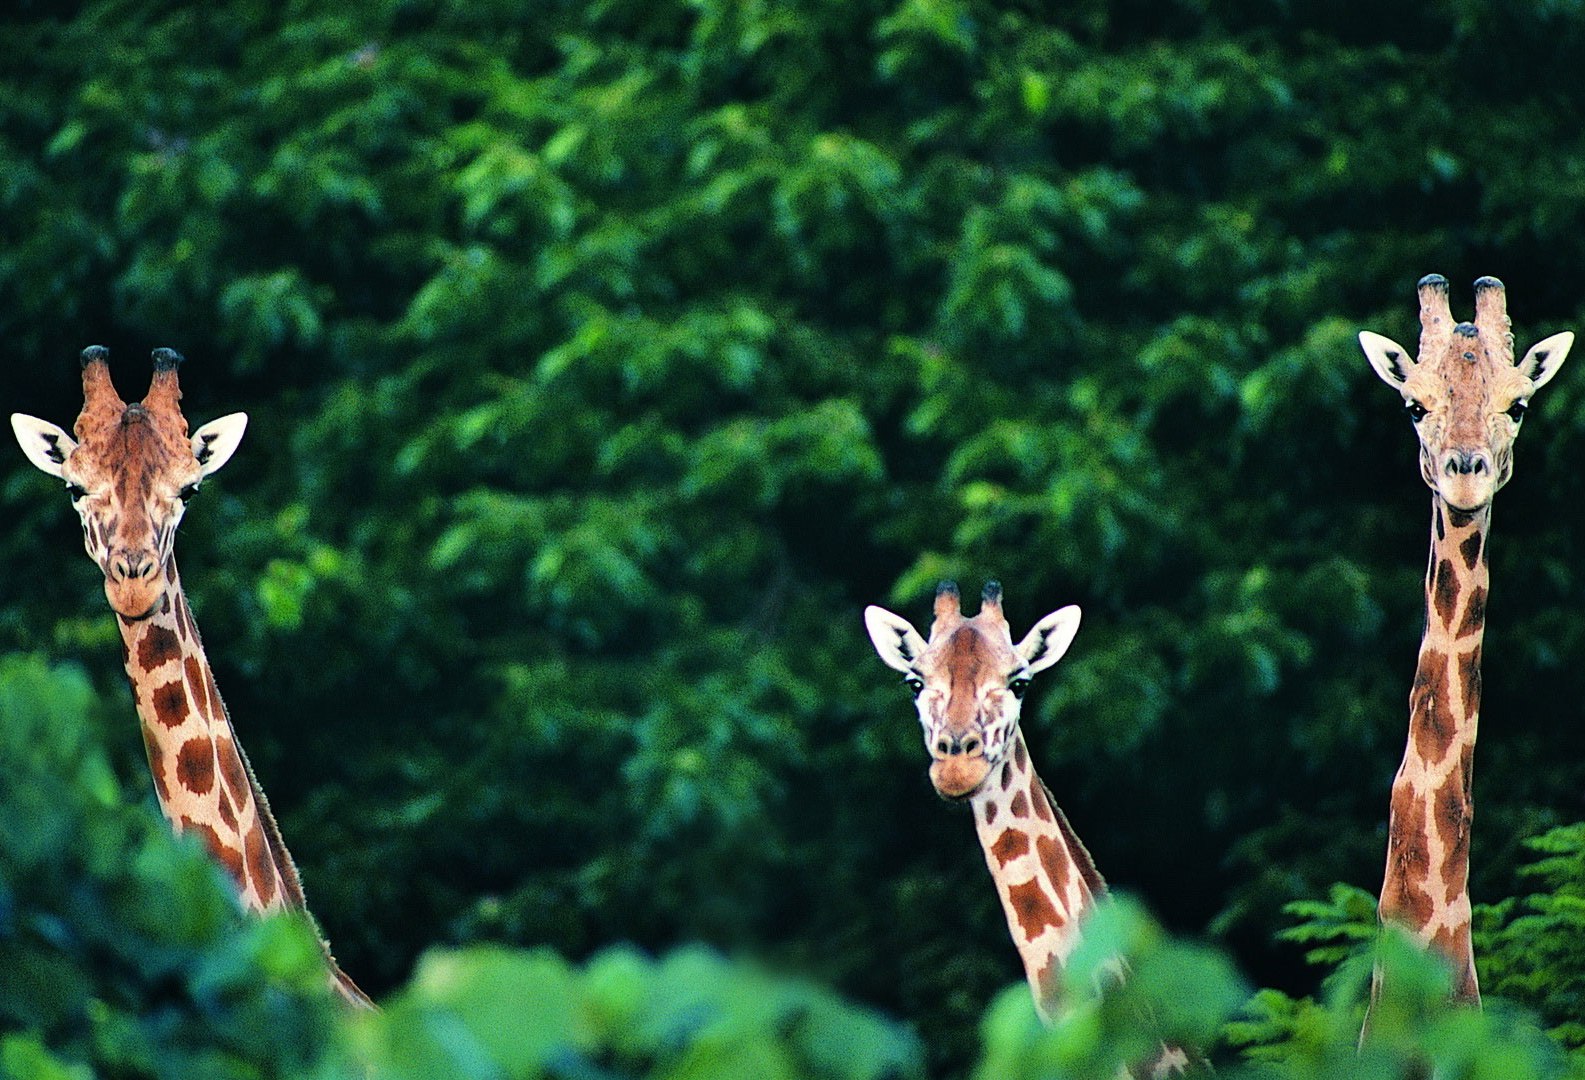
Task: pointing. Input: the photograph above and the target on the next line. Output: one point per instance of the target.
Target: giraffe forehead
(134, 447)
(1465, 372)
(136, 466)
(969, 655)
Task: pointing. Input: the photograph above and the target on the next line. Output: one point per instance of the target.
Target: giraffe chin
(1467, 498)
(134, 601)
(958, 777)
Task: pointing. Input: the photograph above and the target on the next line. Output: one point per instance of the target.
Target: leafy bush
(124, 954)
(1532, 947)
(486, 1012)
(122, 950)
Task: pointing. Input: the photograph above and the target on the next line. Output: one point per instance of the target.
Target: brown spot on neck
(234, 772)
(169, 702)
(195, 682)
(1048, 982)
(1033, 909)
(217, 708)
(156, 765)
(1431, 723)
(261, 868)
(228, 857)
(159, 645)
(1056, 862)
(1444, 592)
(1453, 942)
(195, 766)
(1469, 674)
(1454, 815)
(1041, 801)
(1404, 898)
(1474, 620)
(1471, 547)
(228, 816)
(1010, 845)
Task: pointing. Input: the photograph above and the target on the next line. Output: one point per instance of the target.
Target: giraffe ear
(1545, 357)
(46, 445)
(1391, 360)
(216, 441)
(894, 637)
(1050, 638)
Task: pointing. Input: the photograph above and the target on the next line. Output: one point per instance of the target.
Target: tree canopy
(605, 359)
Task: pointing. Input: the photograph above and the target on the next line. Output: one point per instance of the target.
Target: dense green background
(604, 359)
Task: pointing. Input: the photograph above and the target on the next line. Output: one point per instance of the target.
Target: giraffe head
(969, 679)
(1464, 392)
(129, 472)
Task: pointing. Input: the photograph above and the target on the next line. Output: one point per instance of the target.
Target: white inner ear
(1391, 360)
(898, 643)
(216, 441)
(1049, 639)
(46, 445)
(1545, 357)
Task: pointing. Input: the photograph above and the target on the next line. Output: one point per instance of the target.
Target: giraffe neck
(1043, 874)
(201, 776)
(1426, 885)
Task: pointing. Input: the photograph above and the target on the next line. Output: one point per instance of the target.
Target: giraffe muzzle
(1466, 463)
(959, 775)
(133, 583)
(1466, 480)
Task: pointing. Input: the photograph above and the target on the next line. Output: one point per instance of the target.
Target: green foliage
(1335, 930)
(125, 955)
(1532, 947)
(1414, 1031)
(604, 359)
(123, 950)
(490, 1013)
(1171, 994)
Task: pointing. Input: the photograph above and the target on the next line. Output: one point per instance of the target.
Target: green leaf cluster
(489, 1013)
(1534, 943)
(123, 951)
(605, 359)
(126, 956)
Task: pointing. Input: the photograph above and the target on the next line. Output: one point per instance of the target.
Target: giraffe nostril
(943, 747)
(971, 745)
(132, 567)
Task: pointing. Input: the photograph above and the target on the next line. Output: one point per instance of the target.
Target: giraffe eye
(1516, 411)
(1415, 410)
(915, 684)
(76, 491)
(187, 493)
(1019, 687)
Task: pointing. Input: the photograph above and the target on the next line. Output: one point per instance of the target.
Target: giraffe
(1465, 397)
(968, 682)
(130, 472)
